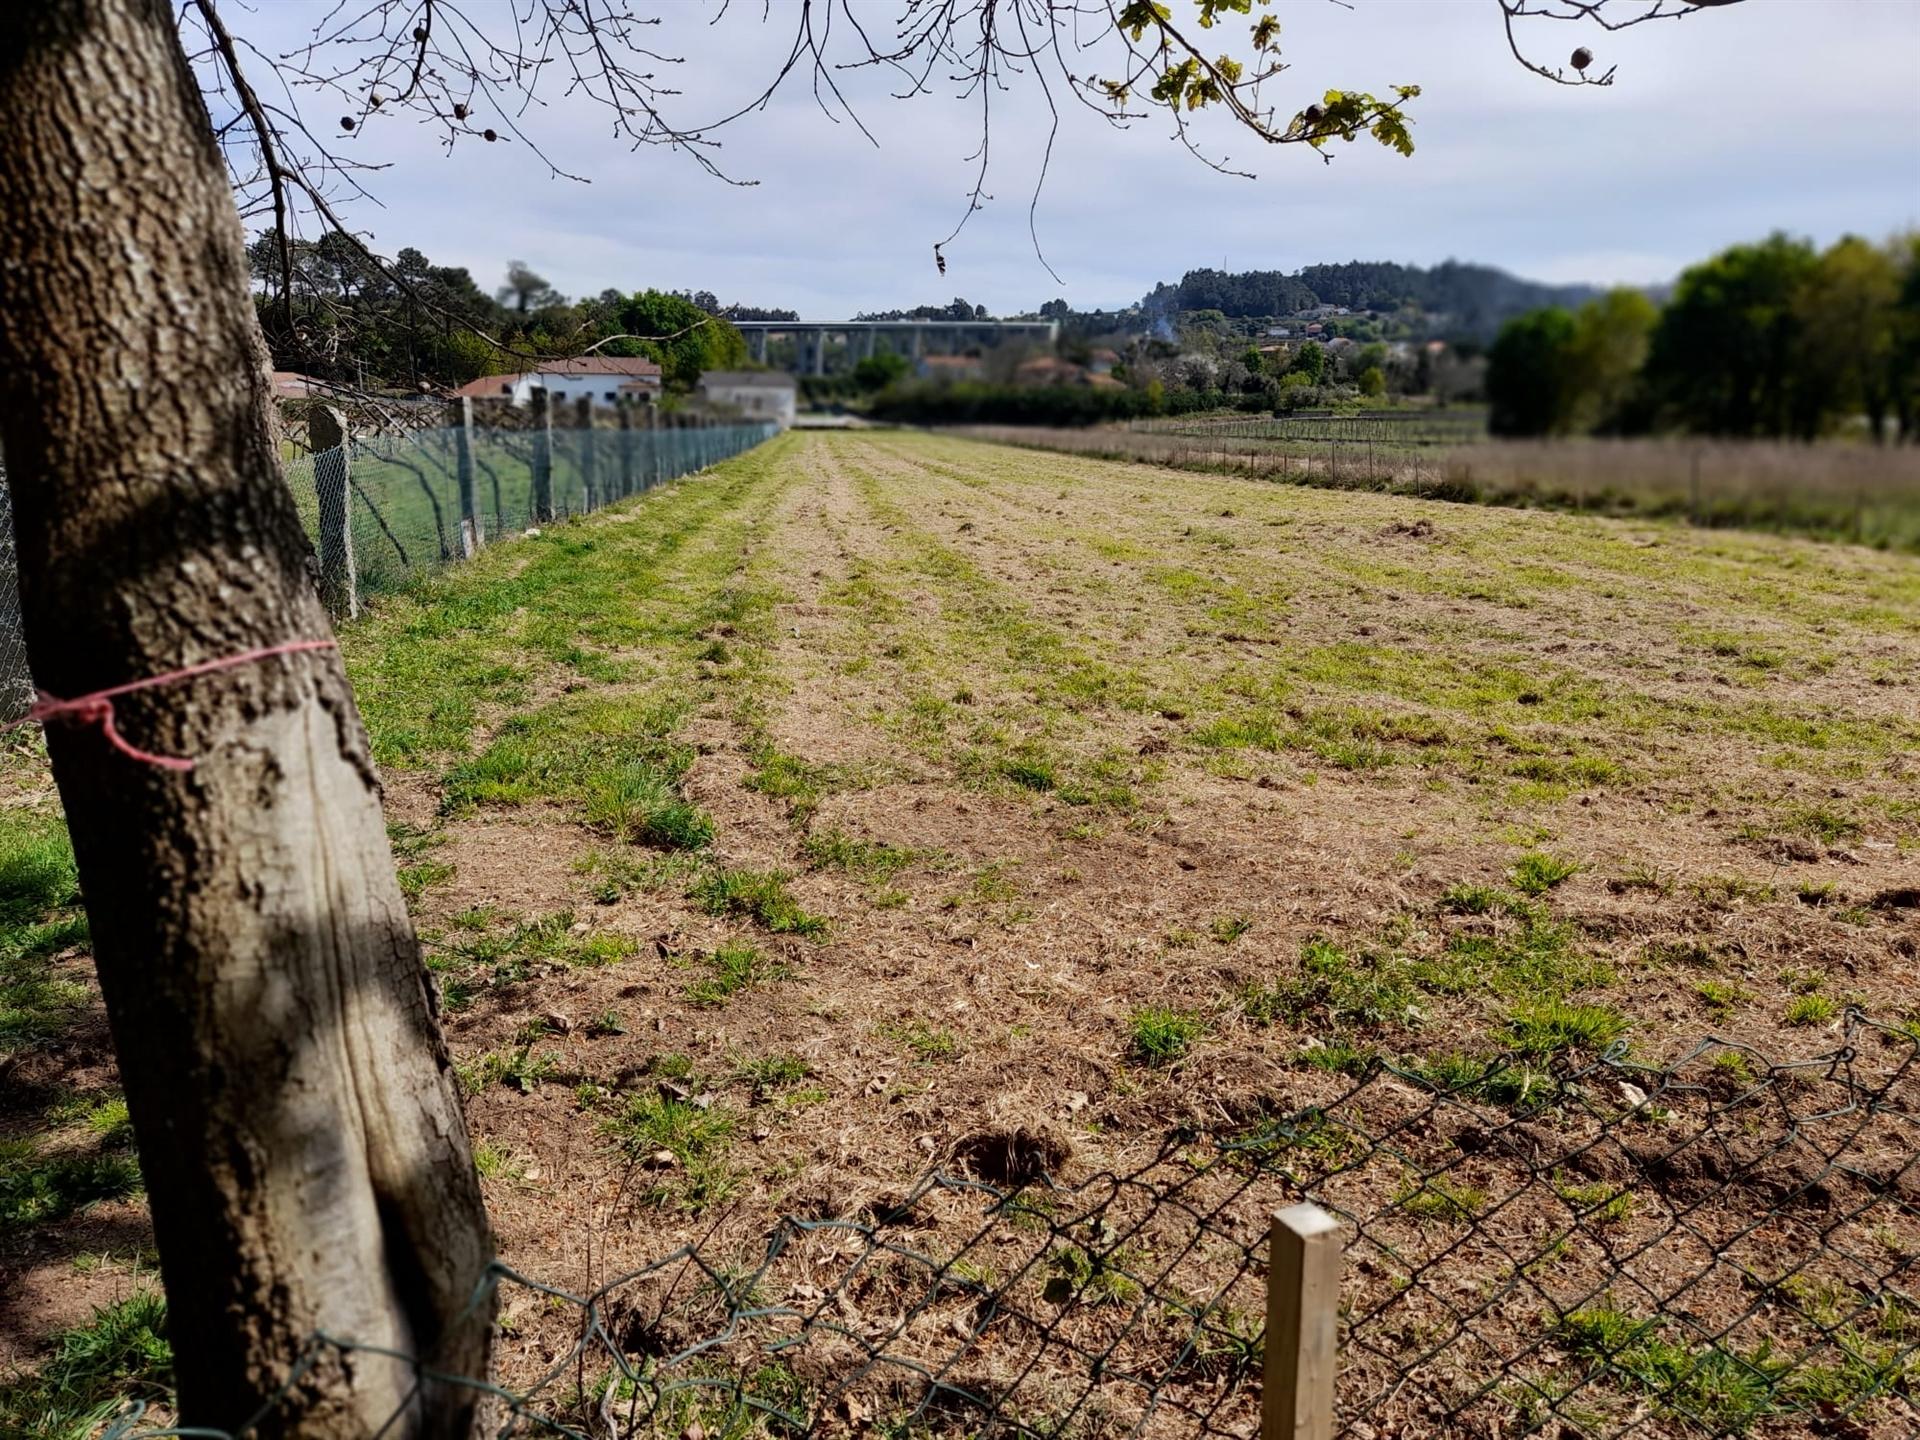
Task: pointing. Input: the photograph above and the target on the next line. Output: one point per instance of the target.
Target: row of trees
(413, 325)
(1775, 339)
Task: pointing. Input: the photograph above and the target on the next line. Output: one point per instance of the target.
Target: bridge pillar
(757, 346)
(819, 356)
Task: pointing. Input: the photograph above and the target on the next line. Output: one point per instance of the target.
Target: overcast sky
(1794, 114)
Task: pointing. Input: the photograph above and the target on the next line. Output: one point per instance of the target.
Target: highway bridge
(860, 338)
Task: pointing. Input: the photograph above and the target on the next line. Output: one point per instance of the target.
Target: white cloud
(1722, 126)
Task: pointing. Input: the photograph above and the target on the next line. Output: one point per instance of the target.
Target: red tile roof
(634, 367)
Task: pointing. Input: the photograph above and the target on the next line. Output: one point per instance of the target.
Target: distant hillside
(1451, 298)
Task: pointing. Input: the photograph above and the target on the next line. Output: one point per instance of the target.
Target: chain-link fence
(417, 501)
(1720, 1246)
(16, 680)
(384, 510)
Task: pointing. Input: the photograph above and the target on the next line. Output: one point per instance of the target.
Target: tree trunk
(299, 1129)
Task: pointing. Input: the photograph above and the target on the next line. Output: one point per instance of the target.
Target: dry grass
(1100, 801)
(1851, 492)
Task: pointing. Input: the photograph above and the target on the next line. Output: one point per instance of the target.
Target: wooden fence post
(1303, 1324)
(589, 473)
(332, 486)
(626, 445)
(542, 457)
(472, 532)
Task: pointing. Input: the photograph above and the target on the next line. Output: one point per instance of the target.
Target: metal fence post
(472, 533)
(332, 485)
(542, 457)
(625, 410)
(589, 475)
(1303, 1322)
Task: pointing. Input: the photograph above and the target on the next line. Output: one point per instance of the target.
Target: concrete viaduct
(911, 337)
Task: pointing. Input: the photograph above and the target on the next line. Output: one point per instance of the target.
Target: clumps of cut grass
(1721, 996)
(1639, 875)
(869, 860)
(417, 878)
(735, 966)
(1435, 1197)
(118, 1356)
(1468, 899)
(1526, 954)
(1498, 1080)
(1226, 929)
(1031, 772)
(1598, 1203)
(684, 1145)
(1710, 1385)
(641, 804)
(37, 1189)
(1091, 1277)
(768, 1075)
(494, 1161)
(1819, 822)
(517, 1067)
(40, 916)
(1811, 1009)
(758, 895)
(613, 757)
(1159, 1035)
(1723, 892)
(489, 950)
(1544, 1028)
(1537, 872)
(1334, 988)
(927, 1042)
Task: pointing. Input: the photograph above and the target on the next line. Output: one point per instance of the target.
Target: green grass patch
(681, 1144)
(1537, 872)
(1333, 988)
(735, 966)
(37, 1189)
(1158, 1035)
(119, 1356)
(758, 895)
(1546, 1027)
(869, 860)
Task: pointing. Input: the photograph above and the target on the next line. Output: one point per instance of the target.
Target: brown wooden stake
(1303, 1322)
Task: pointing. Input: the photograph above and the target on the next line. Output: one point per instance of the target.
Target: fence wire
(405, 513)
(404, 517)
(16, 679)
(1721, 1246)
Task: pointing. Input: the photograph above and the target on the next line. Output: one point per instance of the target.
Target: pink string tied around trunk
(97, 708)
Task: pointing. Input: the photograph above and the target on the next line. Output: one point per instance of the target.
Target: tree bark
(305, 1156)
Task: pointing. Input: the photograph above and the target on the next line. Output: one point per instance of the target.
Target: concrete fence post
(472, 532)
(1303, 1325)
(589, 472)
(333, 492)
(625, 412)
(542, 457)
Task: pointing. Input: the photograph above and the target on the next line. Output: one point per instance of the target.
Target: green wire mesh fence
(1720, 1246)
(408, 513)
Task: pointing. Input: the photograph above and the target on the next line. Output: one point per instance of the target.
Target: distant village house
(757, 394)
(604, 378)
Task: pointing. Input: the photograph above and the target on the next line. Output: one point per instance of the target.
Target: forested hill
(1467, 299)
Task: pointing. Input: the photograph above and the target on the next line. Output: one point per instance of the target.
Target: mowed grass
(970, 774)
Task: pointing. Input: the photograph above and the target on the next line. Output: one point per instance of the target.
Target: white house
(757, 394)
(603, 377)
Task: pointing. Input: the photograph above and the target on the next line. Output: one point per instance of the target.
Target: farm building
(760, 394)
(604, 378)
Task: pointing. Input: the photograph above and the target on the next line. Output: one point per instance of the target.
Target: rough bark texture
(299, 1129)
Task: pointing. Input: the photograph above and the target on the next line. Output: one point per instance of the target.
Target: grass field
(883, 793)
(1852, 492)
